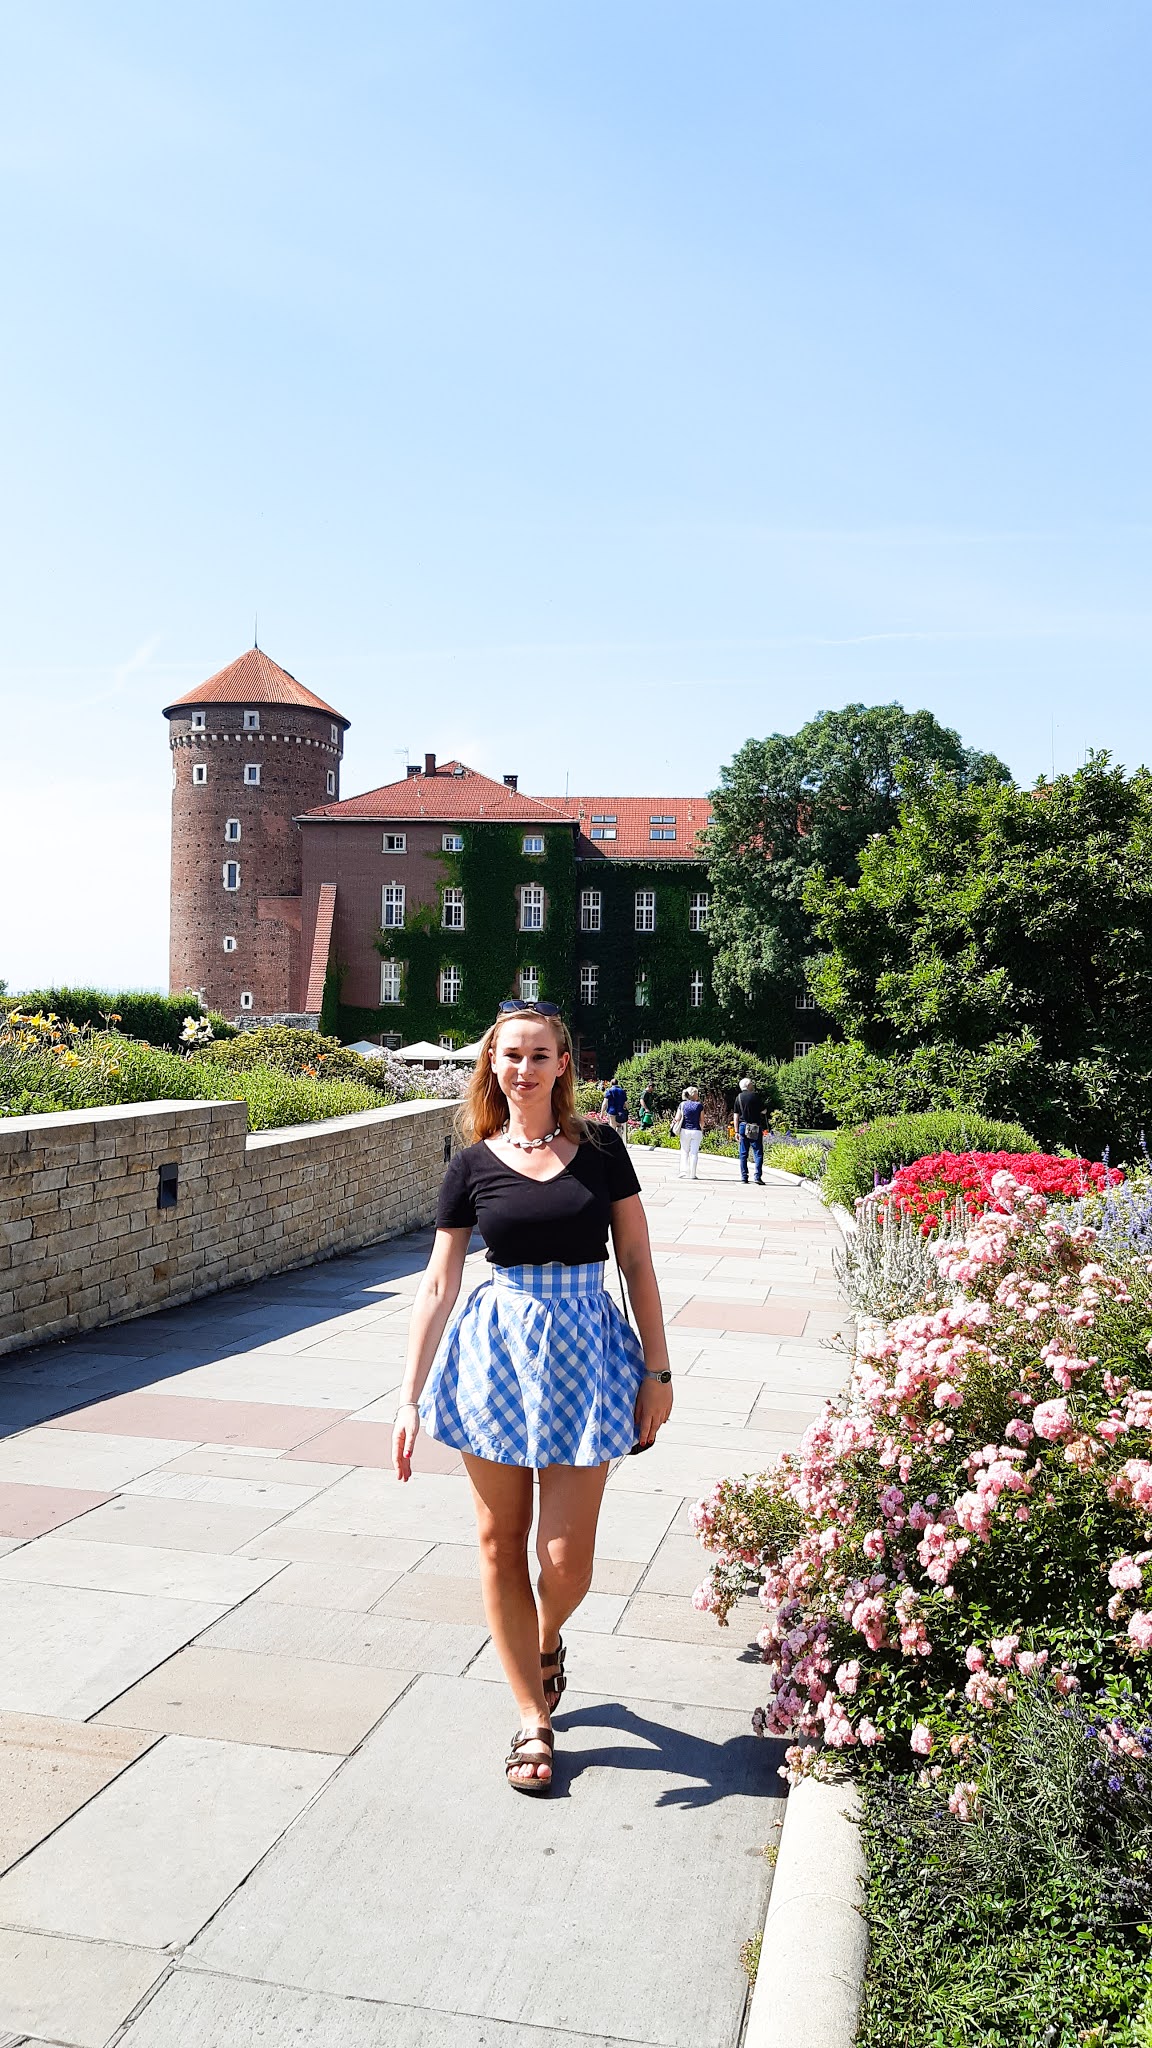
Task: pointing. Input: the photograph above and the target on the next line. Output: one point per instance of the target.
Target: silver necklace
(529, 1144)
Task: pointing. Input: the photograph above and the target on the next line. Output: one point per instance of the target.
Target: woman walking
(539, 1371)
(687, 1124)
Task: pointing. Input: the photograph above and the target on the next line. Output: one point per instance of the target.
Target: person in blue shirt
(688, 1123)
(615, 1106)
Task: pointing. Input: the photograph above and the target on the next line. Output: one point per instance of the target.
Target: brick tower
(251, 750)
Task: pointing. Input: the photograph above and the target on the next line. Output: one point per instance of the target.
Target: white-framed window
(448, 1040)
(528, 984)
(589, 984)
(390, 985)
(251, 721)
(392, 906)
(699, 906)
(801, 1046)
(229, 944)
(449, 984)
(330, 782)
(531, 907)
(603, 825)
(661, 826)
(252, 774)
(695, 989)
(231, 874)
(246, 999)
(591, 909)
(640, 1046)
(232, 829)
(199, 773)
(198, 721)
(395, 842)
(645, 910)
(452, 912)
(391, 1040)
(643, 989)
(452, 842)
(805, 1000)
(533, 842)
(335, 732)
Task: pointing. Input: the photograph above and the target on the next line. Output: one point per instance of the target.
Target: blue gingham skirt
(538, 1368)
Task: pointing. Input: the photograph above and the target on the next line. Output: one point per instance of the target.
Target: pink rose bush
(972, 1514)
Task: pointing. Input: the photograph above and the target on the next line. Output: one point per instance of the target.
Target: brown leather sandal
(554, 1685)
(535, 1786)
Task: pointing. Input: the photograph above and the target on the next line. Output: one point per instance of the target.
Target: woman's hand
(405, 1431)
(653, 1407)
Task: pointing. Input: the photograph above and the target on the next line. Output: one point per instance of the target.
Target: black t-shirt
(532, 1222)
(750, 1106)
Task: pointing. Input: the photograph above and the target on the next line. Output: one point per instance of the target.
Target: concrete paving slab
(772, 1319)
(280, 1380)
(385, 1642)
(432, 1505)
(181, 1829)
(670, 1618)
(196, 2006)
(677, 1568)
(63, 1651)
(433, 1597)
(167, 1415)
(137, 1568)
(233, 1696)
(370, 1443)
(77, 1992)
(61, 1457)
(636, 1669)
(176, 1524)
(338, 1546)
(225, 1493)
(49, 1768)
(368, 1893)
(633, 1525)
(682, 1468)
(240, 1462)
(27, 1511)
(353, 1587)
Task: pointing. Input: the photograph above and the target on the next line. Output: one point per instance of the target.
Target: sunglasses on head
(514, 1006)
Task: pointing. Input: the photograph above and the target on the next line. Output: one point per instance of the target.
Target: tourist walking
(687, 1124)
(538, 1371)
(615, 1106)
(750, 1117)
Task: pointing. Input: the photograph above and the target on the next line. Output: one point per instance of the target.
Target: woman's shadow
(741, 1766)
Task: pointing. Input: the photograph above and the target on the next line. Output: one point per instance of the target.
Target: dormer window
(197, 721)
(251, 721)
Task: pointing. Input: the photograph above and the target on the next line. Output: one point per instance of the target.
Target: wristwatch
(665, 1378)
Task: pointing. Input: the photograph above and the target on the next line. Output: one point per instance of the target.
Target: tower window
(390, 981)
(246, 999)
(232, 829)
(590, 901)
(335, 731)
(533, 842)
(200, 773)
(229, 944)
(699, 904)
(231, 874)
(589, 985)
(529, 990)
(251, 721)
(252, 773)
(197, 721)
(695, 989)
(449, 984)
(452, 914)
(395, 842)
(531, 908)
(645, 910)
(452, 842)
(330, 783)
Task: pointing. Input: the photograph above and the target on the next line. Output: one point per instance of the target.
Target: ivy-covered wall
(491, 949)
(666, 956)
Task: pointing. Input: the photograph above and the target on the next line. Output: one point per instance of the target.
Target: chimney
(429, 764)
(511, 782)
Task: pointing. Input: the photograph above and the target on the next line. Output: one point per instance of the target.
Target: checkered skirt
(538, 1368)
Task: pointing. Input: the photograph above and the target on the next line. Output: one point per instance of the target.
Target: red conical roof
(254, 679)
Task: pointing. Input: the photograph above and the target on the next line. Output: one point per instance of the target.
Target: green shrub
(874, 1151)
(589, 1095)
(1008, 1078)
(292, 1051)
(157, 1019)
(275, 1099)
(695, 1063)
(808, 1161)
(800, 1091)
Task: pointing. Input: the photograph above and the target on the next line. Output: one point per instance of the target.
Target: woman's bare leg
(570, 1497)
(502, 1498)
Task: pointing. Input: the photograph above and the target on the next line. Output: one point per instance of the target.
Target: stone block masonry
(93, 1231)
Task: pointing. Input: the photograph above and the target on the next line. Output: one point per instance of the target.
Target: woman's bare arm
(434, 1302)
(634, 1253)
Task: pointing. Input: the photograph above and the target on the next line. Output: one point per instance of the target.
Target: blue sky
(578, 390)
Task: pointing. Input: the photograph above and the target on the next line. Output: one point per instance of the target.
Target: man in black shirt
(750, 1115)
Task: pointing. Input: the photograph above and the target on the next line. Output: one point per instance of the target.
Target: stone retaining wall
(85, 1241)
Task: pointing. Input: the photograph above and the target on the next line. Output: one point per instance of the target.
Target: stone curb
(815, 1942)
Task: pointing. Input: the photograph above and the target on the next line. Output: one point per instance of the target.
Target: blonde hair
(484, 1111)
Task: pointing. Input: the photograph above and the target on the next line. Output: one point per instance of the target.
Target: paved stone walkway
(251, 1726)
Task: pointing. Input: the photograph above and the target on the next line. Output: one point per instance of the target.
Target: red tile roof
(455, 793)
(634, 819)
(254, 679)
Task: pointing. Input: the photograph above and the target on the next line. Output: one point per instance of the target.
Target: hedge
(157, 1019)
(680, 1063)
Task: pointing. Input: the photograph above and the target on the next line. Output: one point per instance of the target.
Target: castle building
(412, 911)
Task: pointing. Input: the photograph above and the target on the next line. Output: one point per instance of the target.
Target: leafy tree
(1011, 924)
(791, 804)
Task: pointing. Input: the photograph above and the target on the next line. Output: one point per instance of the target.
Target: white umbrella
(468, 1052)
(423, 1051)
(365, 1047)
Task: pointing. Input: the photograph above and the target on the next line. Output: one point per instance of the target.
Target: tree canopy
(996, 920)
(790, 804)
